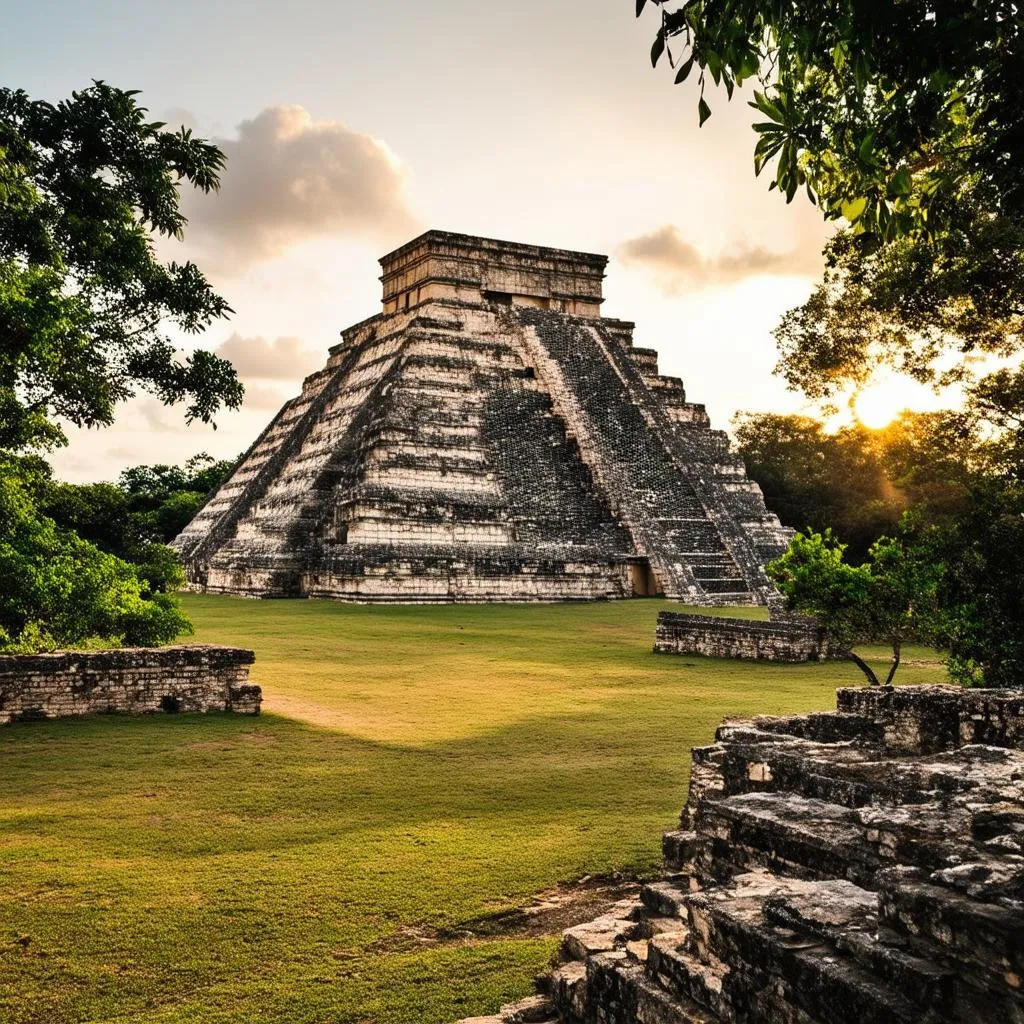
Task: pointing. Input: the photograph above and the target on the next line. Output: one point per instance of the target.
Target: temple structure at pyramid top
(462, 268)
(488, 436)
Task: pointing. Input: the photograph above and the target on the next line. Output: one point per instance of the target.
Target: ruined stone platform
(488, 436)
(861, 866)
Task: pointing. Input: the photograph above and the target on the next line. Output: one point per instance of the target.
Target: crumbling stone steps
(685, 956)
(820, 980)
(898, 899)
(986, 939)
(669, 957)
(809, 837)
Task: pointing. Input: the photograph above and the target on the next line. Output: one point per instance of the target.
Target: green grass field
(415, 769)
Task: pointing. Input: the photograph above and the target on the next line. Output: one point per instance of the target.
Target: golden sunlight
(883, 400)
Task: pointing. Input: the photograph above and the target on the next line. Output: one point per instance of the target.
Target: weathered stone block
(720, 637)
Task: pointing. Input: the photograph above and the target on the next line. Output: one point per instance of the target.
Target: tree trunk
(896, 646)
(864, 667)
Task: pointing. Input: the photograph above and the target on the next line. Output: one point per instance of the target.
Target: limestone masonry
(864, 866)
(786, 638)
(488, 437)
(132, 681)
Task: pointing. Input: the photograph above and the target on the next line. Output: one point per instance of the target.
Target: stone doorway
(642, 577)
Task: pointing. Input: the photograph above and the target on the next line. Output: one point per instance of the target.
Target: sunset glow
(883, 400)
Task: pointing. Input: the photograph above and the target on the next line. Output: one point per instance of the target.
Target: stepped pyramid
(488, 436)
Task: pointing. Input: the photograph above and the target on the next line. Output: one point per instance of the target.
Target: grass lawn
(415, 769)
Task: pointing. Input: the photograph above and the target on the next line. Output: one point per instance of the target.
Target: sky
(352, 127)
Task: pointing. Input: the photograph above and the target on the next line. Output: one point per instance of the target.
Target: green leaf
(703, 111)
(901, 183)
(767, 107)
(714, 65)
(864, 150)
(854, 209)
(684, 70)
(749, 66)
(658, 48)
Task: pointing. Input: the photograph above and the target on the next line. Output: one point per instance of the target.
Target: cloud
(262, 399)
(261, 359)
(179, 117)
(160, 418)
(290, 179)
(677, 266)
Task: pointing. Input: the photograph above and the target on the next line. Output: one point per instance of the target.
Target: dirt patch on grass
(548, 913)
(311, 713)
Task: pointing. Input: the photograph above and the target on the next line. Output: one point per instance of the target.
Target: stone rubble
(488, 437)
(861, 866)
(129, 681)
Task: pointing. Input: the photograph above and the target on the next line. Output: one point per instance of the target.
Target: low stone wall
(718, 637)
(130, 681)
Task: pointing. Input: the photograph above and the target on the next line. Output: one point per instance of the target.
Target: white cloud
(262, 359)
(677, 266)
(290, 179)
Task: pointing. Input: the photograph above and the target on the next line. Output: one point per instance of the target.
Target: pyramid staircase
(864, 866)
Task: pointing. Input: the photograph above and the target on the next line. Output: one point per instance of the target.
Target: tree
(981, 592)
(826, 481)
(166, 498)
(886, 112)
(979, 538)
(889, 598)
(901, 118)
(927, 308)
(137, 517)
(85, 185)
(85, 306)
(61, 591)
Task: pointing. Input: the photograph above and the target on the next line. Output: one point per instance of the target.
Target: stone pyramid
(488, 436)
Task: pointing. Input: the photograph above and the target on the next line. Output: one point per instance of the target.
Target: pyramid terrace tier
(479, 450)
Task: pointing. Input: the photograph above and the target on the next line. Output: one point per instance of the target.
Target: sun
(874, 408)
(883, 400)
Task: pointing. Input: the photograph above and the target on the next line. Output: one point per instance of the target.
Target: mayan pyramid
(488, 436)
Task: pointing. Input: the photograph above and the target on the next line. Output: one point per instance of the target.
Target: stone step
(600, 935)
(566, 987)
(677, 970)
(665, 899)
(985, 939)
(792, 835)
(765, 762)
(847, 917)
(822, 982)
(820, 726)
(620, 992)
(532, 1010)
(679, 848)
(724, 589)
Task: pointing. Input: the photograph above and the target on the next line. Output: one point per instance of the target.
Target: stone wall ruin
(862, 866)
(786, 638)
(129, 681)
